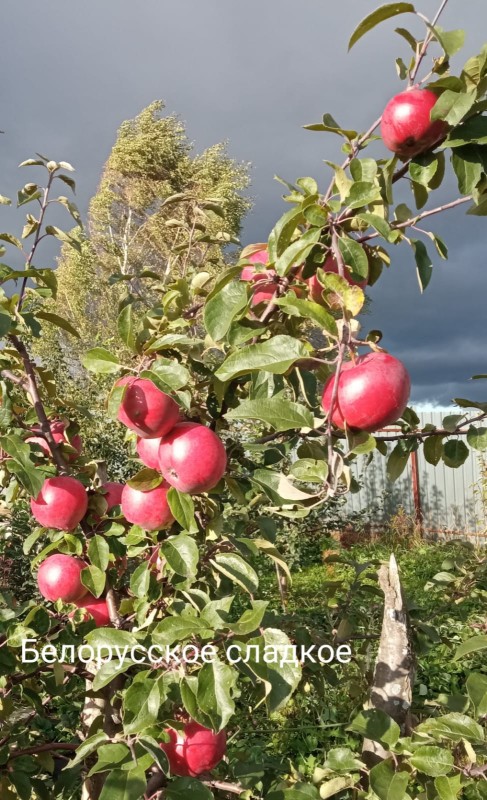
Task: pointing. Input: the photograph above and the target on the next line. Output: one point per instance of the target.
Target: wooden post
(392, 686)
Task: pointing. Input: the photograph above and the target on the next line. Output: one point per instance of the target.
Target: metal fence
(450, 500)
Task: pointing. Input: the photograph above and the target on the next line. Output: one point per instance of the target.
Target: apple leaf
(308, 309)
(377, 16)
(355, 257)
(386, 783)
(100, 361)
(282, 232)
(125, 324)
(237, 569)
(98, 552)
(278, 487)
(216, 682)
(297, 251)
(275, 355)
(433, 449)
(396, 463)
(455, 453)
(182, 788)
(453, 106)
(282, 415)
(477, 438)
(94, 579)
(182, 509)
(468, 166)
(60, 322)
(222, 308)
(424, 266)
(181, 553)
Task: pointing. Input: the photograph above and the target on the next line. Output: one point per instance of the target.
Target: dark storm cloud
(252, 73)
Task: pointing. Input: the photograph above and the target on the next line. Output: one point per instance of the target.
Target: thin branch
(9, 376)
(37, 238)
(413, 220)
(33, 390)
(427, 41)
(355, 149)
(224, 786)
(111, 600)
(43, 748)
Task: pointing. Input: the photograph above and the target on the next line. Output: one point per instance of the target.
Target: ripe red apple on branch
(148, 451)
(407, 128)
(148, 509)
(372, 392)
(59, 578)
(194, 750)
(95, 607)
(145, 409)
(192, 458)
(112, 493)
(61, 503)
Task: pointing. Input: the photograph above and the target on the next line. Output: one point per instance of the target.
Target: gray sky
(251, 72)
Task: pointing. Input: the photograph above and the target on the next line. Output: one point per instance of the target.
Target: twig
(9, 376)
(43, 748)
(418, 217)
(37, 238)
(427, 41)
(111, 600)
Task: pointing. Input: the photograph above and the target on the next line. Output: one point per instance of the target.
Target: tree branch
(33, 390)
(427, 41)
(413, 220)
(43, 748)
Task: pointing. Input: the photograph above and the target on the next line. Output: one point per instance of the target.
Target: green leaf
(222, 308)
(275, 355)
(109, 671)
(307, 309)
(473, 131)
(282, 415)
(448, 788)
(140, 580)
(237, 570)
(310, 470)
(182, 509)
(282, 233)
(335, 786)
(432, 761)
(477, 692)
(472, 645)
(87, 747)
(342, 759)
(362, 194)
(270, 550)
(278, 487)
(377, 16)
(376, 725)
(100, 361)
(424, 168)
(99, 552)
(396, 463)
(380, 225)
(145, 480)
(7, 237)
(433, 449)
(109, 755)
(5, 322)
(280, 678)
(424, 266)
(124, 784)
(354, 256)
(453, 106)
(331, 125)
(182, 788)
(125, 325)
(468, 168)
(216, 683)
(297, 251)
(300, 791)
(477, 438)
(178, 629)
(251, 619)
(64, 237)
(455, 453)
(168, 374)
(388, 784)
(182, 555)
(141, 704)
(110, 637)
(94, 579)
(454, 727)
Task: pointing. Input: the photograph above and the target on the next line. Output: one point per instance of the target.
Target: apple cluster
(189, 456)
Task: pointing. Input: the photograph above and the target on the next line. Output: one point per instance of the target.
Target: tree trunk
(391, 690)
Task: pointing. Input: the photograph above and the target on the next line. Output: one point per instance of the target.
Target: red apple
(265, 278)
(194, 750)
(149, 509)
(192, 458)
(59, 578)
(96, 607)
(372, 392)
(112, 493)
(57, 429)
(406, 126)
(61, 503)
(145, 409)
(148, 450)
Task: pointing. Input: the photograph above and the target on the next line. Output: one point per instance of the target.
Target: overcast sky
(253, 72)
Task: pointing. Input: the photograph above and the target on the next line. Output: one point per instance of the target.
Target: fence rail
(451, 501)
